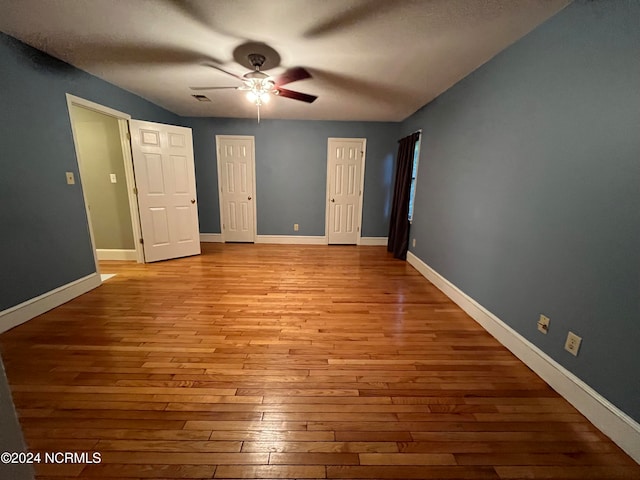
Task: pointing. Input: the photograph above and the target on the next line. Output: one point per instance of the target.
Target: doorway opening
(103, 151)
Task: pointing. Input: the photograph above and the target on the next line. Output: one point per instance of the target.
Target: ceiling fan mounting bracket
(256, 60)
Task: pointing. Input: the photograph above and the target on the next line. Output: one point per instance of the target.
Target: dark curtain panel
(398, 242)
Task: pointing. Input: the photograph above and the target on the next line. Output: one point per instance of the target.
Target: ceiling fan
(260, 86)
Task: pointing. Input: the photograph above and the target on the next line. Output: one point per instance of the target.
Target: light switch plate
(70, 178)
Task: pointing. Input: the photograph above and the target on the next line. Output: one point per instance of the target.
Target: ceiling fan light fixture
(259, 90)
(258, 95)
(259, 86)
(251, 96)
(268, 84)
(256, 75)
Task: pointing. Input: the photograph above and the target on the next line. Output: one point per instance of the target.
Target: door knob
(332, 200)
(193, 200)
(249, 197)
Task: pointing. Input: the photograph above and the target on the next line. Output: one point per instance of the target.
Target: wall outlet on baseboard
(572, 345)
(296, 227)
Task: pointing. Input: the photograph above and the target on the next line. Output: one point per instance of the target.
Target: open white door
(345, 177)
(165, 179)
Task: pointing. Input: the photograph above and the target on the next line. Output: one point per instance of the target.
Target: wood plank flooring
(277, 361)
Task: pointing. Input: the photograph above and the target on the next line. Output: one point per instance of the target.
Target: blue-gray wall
(291, 172)
(528, 194)
(45, 239)
(527, 199)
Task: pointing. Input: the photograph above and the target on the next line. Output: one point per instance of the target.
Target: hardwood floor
(272, 361)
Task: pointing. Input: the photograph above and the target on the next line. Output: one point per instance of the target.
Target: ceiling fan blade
(220, 69)
(292, 75)
(303, 97)
(213, 88)
(101, 54)
(351, 16)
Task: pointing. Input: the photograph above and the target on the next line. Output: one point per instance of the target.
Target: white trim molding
(14, 316)
(96, 107)
(125, 145)
(132, 189)
(211, 238)
(116, 254)
(291, 239)
(612, 421)
(377, 241)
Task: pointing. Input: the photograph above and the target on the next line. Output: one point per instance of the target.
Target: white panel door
(236, 167)
(345, 171)
(165, 179)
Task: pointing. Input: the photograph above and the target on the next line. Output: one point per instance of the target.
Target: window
(414, 175)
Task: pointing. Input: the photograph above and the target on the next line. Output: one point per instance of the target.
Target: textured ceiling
(370, 59)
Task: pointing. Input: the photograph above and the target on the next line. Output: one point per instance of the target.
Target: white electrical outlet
(572, 345)
(112, 177)
(413, 243)
(296, 227)
(543, 324)
(70, 178)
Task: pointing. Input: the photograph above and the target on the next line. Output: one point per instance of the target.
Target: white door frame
(328, 191)
(255, 196)
(125, 142)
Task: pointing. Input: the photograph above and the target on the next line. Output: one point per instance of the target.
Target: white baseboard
(211, 237)
(14, 316)
(116, 254)
(612, 421)
(291, 239)
(379, 241)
